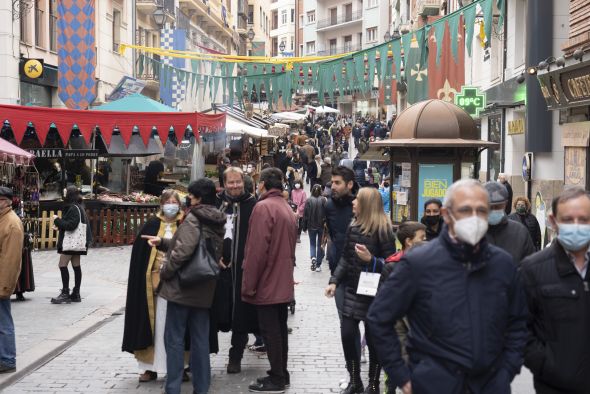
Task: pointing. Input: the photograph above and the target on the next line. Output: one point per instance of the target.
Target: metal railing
(339, 50)
(53, 33)
(39, 27)
(340, 19)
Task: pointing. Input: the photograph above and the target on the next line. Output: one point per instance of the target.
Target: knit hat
(496, 192)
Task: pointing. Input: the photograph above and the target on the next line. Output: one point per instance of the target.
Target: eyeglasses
(470, 211)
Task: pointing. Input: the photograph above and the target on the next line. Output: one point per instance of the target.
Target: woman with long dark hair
(73, 215)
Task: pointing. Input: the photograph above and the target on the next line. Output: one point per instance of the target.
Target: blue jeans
(179, 318)
(7, 339)
(315, 245)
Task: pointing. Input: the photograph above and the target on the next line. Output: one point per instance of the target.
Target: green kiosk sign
(471, 100)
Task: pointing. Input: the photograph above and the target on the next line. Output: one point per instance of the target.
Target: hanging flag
(449, 77)
(172, 90)
(76, 52)
(416, 67)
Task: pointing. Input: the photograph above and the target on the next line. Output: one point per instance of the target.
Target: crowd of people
(455, 303)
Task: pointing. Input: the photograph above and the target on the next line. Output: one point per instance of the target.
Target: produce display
(136, 197)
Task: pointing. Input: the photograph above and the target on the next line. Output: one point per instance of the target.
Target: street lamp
(396, 34)
(387, 36)
(159, 16)
(251, 34)
(282, 46)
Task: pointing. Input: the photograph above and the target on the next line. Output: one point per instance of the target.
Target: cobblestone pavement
(95, 363)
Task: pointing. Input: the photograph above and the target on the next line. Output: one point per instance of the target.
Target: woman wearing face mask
(299, 198)
(522, 207)
(145, 315)
(432, 218)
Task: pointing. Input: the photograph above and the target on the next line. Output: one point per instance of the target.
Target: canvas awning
(235, 127)
(13, 154)
(135, 103)
(288, 117)
(324, 109)
(432, 143)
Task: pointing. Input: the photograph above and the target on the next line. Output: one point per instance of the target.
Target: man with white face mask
(464, 302)
(507, 234)
(556, 284)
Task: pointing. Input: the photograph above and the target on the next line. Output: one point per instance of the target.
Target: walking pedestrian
(504, 181)
(314, 218)
(507, 234)
(73, 215)
(188, 306)
(145, 311)
(299, 197)
(457, 343)
(556, 285)
(385, 196)
(432, 218)
(11, 242)
(522, 214)
(369, 231)
(237, 205)
(326, 174)
(268, 275)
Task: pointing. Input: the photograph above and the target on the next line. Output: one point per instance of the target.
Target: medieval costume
(26, 280)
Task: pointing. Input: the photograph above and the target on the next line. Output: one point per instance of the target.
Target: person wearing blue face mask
(556, 284)
(503, 232)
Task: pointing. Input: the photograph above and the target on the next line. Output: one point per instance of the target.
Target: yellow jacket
(11, 249)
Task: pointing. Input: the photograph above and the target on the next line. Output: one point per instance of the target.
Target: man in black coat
(507, 234)
(464, 302)
(502, 179)
(558, 294)
(231, 312)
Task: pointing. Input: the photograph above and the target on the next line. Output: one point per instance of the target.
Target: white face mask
(471, 229)
(297, 186)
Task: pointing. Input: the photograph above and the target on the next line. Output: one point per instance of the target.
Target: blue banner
(172, 91)
(433, 182)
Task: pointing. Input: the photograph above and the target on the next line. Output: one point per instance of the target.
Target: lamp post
(251, 34)
(282, 47)
(160, 16)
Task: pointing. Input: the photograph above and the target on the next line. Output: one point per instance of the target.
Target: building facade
(282, 33)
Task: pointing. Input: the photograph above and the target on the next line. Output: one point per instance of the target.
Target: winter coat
(309, 153)
(513, 237)
(69, 222)
(349, 268)
(314, 215)
(558, 349)
(338, 217)
(326, 175)
(11, 245)
(201, 221)
(530, 222)
(431, 233)
(270, 252)
(299, 198)
(467, 312)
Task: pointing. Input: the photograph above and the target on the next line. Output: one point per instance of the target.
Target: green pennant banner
(454, 33)
(337, 69)
(359, 67)
(439, 35)
(488, 20)
(416, 68)
(388, 81)
(397, 55)
(371, 59)
(231, 92)
(205, 85)
(469, 15)
(501, 4)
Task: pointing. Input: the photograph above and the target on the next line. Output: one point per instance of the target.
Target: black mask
(431, 220)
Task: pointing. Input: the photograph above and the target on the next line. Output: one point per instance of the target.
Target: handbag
(201, 267)
(75, 240)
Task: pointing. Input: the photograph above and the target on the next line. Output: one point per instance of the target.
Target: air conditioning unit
(429, 7)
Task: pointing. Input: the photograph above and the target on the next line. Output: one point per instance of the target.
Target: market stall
(71, 142)
(249, 144)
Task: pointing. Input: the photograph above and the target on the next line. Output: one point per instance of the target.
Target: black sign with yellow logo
(32, 68)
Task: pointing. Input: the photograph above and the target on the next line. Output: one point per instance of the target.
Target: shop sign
(81, 154)
(471, 100)
(576, 134)
(575, 166)
(32, 68)
(516, 126)
(47, 153)
(433, 182)
(568, 87)
(58, 153)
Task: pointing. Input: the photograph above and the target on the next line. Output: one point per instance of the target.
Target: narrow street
(95, 363)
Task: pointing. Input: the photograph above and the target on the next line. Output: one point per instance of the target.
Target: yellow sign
(516, 126)
(33, 68)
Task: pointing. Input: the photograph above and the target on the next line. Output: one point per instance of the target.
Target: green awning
(135, 103)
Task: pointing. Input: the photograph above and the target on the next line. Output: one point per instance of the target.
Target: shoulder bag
(201, 267)
(75, 240)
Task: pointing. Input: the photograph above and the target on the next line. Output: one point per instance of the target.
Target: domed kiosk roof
(434, 123)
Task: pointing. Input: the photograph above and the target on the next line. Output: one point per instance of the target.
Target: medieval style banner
(76, 51)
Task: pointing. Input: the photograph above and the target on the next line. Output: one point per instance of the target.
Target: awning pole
(93, 166)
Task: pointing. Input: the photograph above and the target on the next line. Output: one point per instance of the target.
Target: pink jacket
(299, 198)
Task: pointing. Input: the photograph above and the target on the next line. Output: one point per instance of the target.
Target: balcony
(149, 6)
(328, 23)
(428, 7)
(211, 16)
(340, 50)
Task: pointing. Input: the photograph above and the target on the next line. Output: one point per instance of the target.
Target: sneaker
(266, 386)
(313, 263)
(287, 380)
(7, 369)
(318, 268)
(62, 298)
(148, 376)
(257, 349)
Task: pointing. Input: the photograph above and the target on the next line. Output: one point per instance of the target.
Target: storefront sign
(47, 153)
(471, 100)
(575, 166)
(32, 68)
(516, 126)
(81, 154)
(566, 87)
(58, 153)
(576, 134)
(126, 87)
(433, 182)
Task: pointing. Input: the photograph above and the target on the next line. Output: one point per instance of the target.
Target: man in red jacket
(267, 280)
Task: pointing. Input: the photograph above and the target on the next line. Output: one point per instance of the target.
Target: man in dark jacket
(556, 285)
(268, 275)
(502, 179)
(507, 234)
(464, 302)
(237, 205)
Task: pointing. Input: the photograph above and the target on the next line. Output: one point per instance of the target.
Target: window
(53, 25)
(283, 17)
(116, 29)
(372, 34)
(292, 44)
(250, 14)
(301, 20)
(300, 50)
(372, 3)
(24, 28)
(310, 47)
(311, 16)
(39, 23)
(348, 43)
(333, 46)
(261, 19)
(292, 15)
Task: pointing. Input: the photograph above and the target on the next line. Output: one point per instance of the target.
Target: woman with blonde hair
(370, 231)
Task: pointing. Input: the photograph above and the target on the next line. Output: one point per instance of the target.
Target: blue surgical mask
(573, 237)
(170, 210)
(496, 216)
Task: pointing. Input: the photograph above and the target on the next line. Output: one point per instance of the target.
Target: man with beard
(237, 315)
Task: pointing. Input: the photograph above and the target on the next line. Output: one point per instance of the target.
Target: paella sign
(471, 100)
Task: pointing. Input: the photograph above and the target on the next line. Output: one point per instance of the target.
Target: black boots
(374, 374)
(62, 298)
(234, 366)
(75, 296)
(355, 386)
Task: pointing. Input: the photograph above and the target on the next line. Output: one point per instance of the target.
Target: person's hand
(55, 217)
(152, 240)
(222, 264)
(363, 253)
(407, 389)
(330, 290)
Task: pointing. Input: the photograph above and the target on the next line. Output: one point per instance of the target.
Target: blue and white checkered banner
(173, 91)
